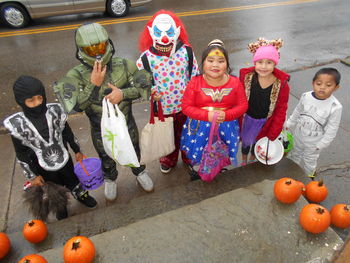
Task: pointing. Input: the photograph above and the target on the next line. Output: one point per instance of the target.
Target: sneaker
(110, 190)
(87, 200)
(252, 161)
(165, 169)
(62, 214)
(145, 181)
(243, 164)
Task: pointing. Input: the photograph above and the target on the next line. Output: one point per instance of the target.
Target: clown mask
(164, 34)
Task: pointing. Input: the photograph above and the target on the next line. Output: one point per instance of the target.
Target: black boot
(62, 214)
(87, 200)
(83, 196)
(194, 175)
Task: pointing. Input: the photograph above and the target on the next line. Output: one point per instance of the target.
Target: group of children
(246, 108)
(259, 101)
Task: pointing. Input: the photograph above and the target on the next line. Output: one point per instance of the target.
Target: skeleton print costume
(41, 136)
(315, 123)
(51, 154)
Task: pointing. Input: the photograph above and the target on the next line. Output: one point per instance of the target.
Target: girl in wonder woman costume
(215, 90)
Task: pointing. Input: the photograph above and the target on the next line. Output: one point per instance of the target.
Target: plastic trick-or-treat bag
(268, 152)
(115, 136)
(215, 154)
(157, 137)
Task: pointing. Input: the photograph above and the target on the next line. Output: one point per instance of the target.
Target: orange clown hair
(145, 41)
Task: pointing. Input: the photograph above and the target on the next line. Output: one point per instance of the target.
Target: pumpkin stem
(320, 183)
(320, 210)
(288, 182)
(31, 223)
(26, 261)
(347, 208)
(76, 244)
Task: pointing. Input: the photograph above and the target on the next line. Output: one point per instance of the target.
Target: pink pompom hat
(267, 52)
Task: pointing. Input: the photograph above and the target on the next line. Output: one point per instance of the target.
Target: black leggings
(245, 150)
(64, 176)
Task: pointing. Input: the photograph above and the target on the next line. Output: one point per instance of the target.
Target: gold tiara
(253, 47)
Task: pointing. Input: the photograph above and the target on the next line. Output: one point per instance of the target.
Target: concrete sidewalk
(245, 225)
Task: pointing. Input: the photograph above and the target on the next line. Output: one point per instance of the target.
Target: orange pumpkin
(315, 218)
(33, 258)
(287, 190)
(316, 191)
(340, 215)
(35, 231)
(302, 186)
(79, 249)
(5, 245)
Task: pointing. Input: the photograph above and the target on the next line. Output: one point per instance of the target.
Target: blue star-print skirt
(195, 136)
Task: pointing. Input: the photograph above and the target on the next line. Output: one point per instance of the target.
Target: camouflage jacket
(77, 93)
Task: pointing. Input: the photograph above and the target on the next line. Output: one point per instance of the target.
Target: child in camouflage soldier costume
(101, 75)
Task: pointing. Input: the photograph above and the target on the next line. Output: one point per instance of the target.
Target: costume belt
(213, 108)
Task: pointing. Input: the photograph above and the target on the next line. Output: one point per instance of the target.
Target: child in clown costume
(167, 55)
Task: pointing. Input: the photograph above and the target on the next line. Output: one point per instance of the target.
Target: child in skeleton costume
(166, 54)
(98, 76)
(40, 136)
(315, 120)
(267, 91)
(215, 91)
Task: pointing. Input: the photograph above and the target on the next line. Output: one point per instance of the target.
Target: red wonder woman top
(199, 96)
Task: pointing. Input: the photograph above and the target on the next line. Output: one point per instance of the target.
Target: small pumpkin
(340, 215)
(302, 186)
(287, 190)
(33, 258)
(314, 218)
(316, 191)
(5, 245)
(35, 231)
(79, 249)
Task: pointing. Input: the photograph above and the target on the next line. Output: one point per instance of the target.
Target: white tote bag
(157, 137)
(115, 136)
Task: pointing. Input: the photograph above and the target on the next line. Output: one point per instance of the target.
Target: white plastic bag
(115, 136)
(157, 137)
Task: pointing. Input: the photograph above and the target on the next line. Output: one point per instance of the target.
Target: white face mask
(164, 33)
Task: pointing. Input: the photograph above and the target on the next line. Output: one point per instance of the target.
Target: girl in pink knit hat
(267, 92)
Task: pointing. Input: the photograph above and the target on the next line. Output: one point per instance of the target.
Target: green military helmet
(93, 43)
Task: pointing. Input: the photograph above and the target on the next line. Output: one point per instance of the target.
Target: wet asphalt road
(314, 31)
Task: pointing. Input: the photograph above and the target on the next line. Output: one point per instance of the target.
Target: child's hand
(221, 117)
(79, 157)
(38, 181)
(98, 74)
(156, 96)
(116, 95)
